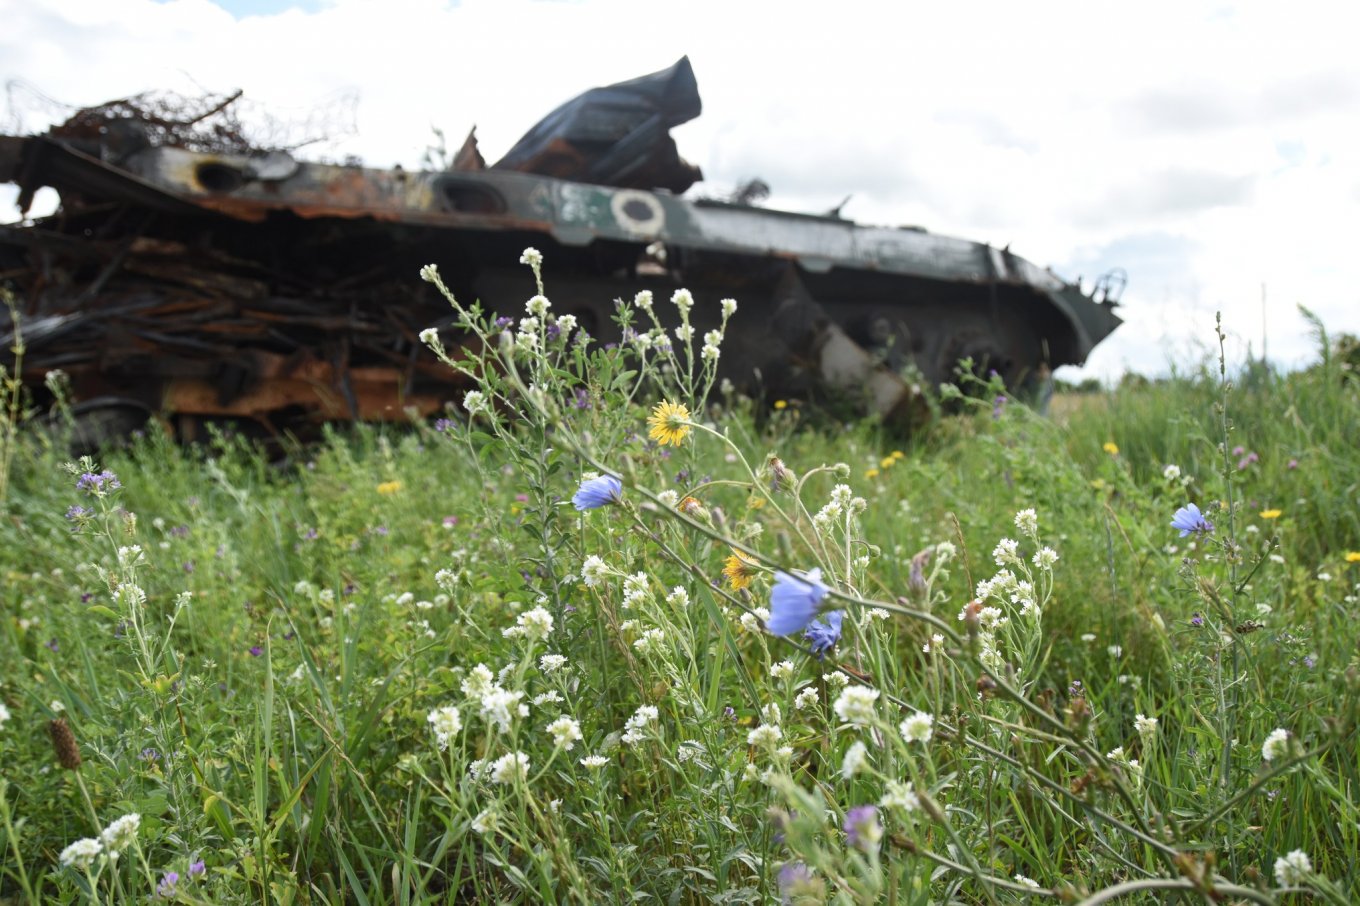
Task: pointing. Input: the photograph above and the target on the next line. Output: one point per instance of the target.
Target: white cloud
(1061, 130)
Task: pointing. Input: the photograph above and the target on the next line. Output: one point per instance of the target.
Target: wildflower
(565, 731)
(474, 401)
(765, 736)
(935, 643)
(1027, 521)
(793, 601)
(855, 758)
(900, 795)
(805, 699)
(1045, 557)
(781, 404)
(683, 300)
(855, 705)
(1146, 726)
(918, 728)
(510, 768)
(684, 333)
(1171, 472)
(445, 722)
(81, 854)
(593, 571)
(197, 869)
(739, 570)
(4, 714)
(1247, 460)
(530, 256)
(668, 498)
(823, 634)
(166, 888)
(729, 307)
(669, 423)
(1110, 447)
(1027, 882)
(552, 696)
(1189, 519)
(1353, 556)
(551, 663)
(98, 483)
(485, 822)
(797, 885)
(120, 834)
(1005, 552)
(678, 598)
(1293, 869)
(538, 306)
(782, 670)
(836, 680)
(533, 624)
(597, 492)
(650, 640)
(1276, 745)
(389, 487)
(862, 829)
(1271, 514)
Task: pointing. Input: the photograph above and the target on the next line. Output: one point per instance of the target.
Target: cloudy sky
(1208, 148)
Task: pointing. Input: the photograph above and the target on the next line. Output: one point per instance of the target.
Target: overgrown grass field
(613, 632)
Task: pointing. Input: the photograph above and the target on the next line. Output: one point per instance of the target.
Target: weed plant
(611, 631)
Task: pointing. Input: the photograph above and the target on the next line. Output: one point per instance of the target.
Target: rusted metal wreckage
(190, 276)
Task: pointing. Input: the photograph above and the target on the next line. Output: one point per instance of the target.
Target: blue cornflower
(1189, 519)
(822, 634)
(793, 601)
(597, 492)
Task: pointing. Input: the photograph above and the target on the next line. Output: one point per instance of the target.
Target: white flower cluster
(534, 625)
(856, 757)
(855, 705)
(551, 663)
(565, 731)
(1293, 869)
(445, 722)
(120, 834)
(81, 854)
(919, 727)
(1027, 521)
(636, 725)
(512, 767)
(636, 589)
(474, 401)
(594, 571)
(496, 705)
(1276, 745)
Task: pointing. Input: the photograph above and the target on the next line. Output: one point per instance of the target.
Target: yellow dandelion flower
(887, 462)
(898, 454)
(1271, 514)
(739, 570)
(871, 473)
(389, 487)
(1353, 556)
(780, 404)
(1111, 447)
(670, 423)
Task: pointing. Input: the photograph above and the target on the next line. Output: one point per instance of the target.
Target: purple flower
(450, 521)
(180, 531)
(197, 869)
(997, 405)
(256, 651)
(52, 644)
(503, 322)
(1196, 619)
(1189, 519)
(793, 879)
(443, 425)
(794, 601)
(1247, 460)
(862, 829)
(93, 483)
(166, 888)
(1293, 464)
(597, 492)
(822, 634)
(78, 514)
(309, 535)
(582, 400)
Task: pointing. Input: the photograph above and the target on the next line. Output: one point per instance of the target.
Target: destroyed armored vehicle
(193, 277)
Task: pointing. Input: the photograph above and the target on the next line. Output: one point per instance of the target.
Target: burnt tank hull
(260, 287)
